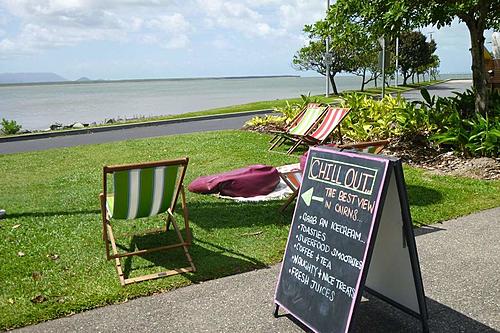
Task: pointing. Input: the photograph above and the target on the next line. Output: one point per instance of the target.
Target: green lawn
(51, 239)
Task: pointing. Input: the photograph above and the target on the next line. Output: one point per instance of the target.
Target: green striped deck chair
(144, 190)
(309, 118)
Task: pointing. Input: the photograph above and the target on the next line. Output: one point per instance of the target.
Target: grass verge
(51, 238)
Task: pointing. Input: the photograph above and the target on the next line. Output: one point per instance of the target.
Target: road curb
(90, 130)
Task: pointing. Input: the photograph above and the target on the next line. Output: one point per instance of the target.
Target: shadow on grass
(230, 214)
(49, 214)
(211, 260)
(423, 196)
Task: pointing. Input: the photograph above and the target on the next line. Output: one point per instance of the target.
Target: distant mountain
(30, 78)
(83, 79)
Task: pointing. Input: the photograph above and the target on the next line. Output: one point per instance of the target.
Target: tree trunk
(363, 80)
(334, 85)
(405, 78)
(476, 31)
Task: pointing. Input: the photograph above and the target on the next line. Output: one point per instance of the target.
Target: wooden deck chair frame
(361, 146)
(309, 139)
(107, 230)
(282, 137)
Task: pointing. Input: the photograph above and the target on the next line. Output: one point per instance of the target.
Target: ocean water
(39, 106)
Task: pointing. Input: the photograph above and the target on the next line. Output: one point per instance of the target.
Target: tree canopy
(415, 53)
(390, 17)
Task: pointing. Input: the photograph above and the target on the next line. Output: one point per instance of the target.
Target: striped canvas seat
(292, 176)
(323, 129)
(139, 191)
(310, 117)
(142, 192)
(332, 119)
(301, 124)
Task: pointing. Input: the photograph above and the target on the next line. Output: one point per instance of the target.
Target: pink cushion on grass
(245, 182)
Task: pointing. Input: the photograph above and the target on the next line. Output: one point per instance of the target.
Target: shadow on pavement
(375, 315)
(426, 229)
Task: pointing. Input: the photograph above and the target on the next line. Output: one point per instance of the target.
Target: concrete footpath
(460, 262)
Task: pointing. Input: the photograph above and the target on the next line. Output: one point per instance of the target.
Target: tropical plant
(10, 126)
(460, 129)
(372, 119)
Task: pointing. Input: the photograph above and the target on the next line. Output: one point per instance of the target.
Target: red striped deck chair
(144, 190)
(293, 176)
(301, 124)
(324, 129)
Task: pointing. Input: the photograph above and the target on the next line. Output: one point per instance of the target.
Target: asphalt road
(443, 89)
(460, 270)
(124, 134)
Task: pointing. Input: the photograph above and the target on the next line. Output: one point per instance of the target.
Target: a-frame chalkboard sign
(351, 232)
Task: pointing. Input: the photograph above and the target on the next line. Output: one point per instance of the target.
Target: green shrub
(372, 119)
(10, 126)
(458, 127)
(278, 121)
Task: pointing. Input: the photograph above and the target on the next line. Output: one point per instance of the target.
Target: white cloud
(176, 42)
(239, 17)
(44, 24)
(170, 23)
(293, 15)
(56, 23)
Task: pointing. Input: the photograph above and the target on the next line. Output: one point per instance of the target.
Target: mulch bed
(436, 161)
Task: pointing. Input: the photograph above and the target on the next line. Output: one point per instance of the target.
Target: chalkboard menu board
(336, 216)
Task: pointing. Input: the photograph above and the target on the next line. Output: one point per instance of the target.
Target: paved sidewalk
(460, 265)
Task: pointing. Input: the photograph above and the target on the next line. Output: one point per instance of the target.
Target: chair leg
(298, 143)
(167, 223)
(105, 223)
(186, 216)
(118, 265)
(289, 200)
(278, 142)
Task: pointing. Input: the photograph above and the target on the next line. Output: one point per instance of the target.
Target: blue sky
(118, 39)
